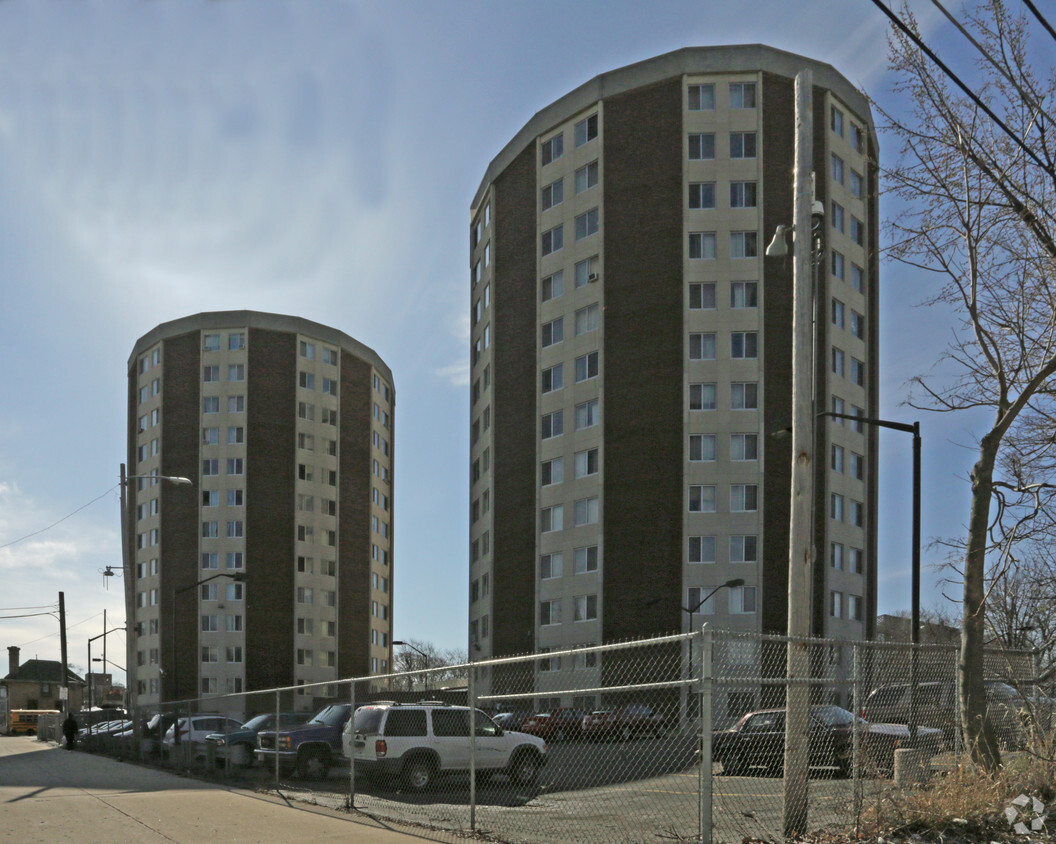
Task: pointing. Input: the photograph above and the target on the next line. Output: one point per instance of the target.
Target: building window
(701, 97)
(587, 224)
(236, 404)
(210, 373)
(586, 414)
(702, 397)
(854, 607)
(836, 604)
(586, 607)
(858, 466)
(855, 557)
(836, 458)
(236, 372)
(553, 378)
(702, 498)
(744, 549)
(836, 507)
(701, 195)
(837, 313)
(553, 194)
(235, 465)
(550, 566)
(836, 555)
(744, 244)
(744, 294)
(742, 95)
(553, 240)
(857, 231)
(585, 559)
(857, 325)
(586, 177)
(586, 512)
(210, 436)
(837, 168)
(702, 295)
(552, 424)
(234, 560)
(552, 149)
(837, 216)
(210, 624)
(550, 612)
(742, 600)
(744, 344)
(553, 471)
(702, 447)
(857, 138)
(744, 447)
(587, 319)
(585, 130)
(702, 246)
(837, 361)
(836, 121)
(553, 332)
(210, 530)
(702, 549)
(236, 435)
(552, 519)
(586, 271)
(857, 372)
(304, 595)
(857, 513)
(702, 146)
(702, 346)
(211, 404)
(744, 498)
(234, 529)
(586, 463)
(857, 184)
(306, 380)
(742, 145)
(211, 343)
(210, 561)
(696, 595)
(743, 195)
(586, 366)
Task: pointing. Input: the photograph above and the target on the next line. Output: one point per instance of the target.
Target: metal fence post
(705, 784)
(352, 746)
(856, 733)
(278, 706)
(472, 694)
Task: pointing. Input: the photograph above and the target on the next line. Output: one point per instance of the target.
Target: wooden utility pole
(62, 639)
(801, 528)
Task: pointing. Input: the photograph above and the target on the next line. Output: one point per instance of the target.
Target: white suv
(418, 741)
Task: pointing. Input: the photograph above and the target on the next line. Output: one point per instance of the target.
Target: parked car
(562, 724)
(312, 747)
(195, 728)
(625, 722)
(240, 744)
(758, 742)
(936, 706)
(415, 743)
(511, 720)
(103, 728)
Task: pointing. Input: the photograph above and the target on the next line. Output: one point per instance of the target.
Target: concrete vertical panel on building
(515, 412)
(271, 409)
(778, 98)
(354, 559)
(642, 363)
(180, 435)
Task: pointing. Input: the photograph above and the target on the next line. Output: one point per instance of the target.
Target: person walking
(69, 729)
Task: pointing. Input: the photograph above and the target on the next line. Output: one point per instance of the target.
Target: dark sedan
(758, 742)
(556, 725)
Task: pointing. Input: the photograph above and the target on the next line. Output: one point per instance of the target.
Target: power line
(1040, 18)
(968, 91)
(60, 521)
(1030, 101)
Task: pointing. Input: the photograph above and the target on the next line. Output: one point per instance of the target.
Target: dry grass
(966, 803)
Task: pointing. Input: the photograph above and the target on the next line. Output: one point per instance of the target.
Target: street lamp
(126, 565)
(100, 636)
(238, 577)
(914, 630)
(733, 583)
(425, 657)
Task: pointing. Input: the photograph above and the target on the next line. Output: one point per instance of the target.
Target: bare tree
(428, 667)
(976, 218)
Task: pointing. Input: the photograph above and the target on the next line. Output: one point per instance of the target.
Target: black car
(758, 742)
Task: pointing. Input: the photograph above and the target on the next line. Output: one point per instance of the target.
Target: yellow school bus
(23, 722)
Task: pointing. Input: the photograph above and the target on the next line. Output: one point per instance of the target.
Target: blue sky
(318, 159)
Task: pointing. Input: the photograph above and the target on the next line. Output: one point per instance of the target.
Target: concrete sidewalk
(48, 794)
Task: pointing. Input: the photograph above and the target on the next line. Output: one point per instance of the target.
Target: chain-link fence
(601, 743)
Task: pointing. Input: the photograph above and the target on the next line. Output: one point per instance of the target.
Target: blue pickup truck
(311, 748)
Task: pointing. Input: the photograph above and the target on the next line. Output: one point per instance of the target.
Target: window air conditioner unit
(592, 277)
